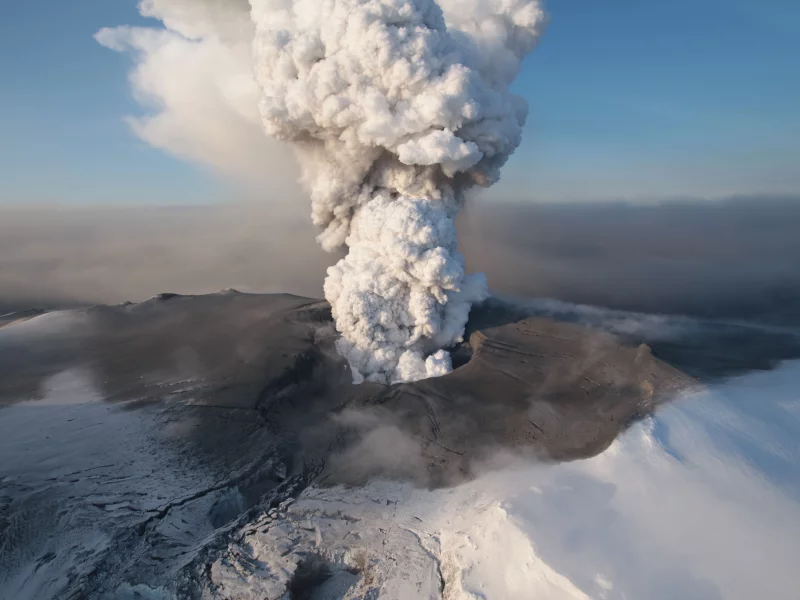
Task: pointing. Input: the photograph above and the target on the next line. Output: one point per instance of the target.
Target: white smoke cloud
(194, 79)
(394, 107)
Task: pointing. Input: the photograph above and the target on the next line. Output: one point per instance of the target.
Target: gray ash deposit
(142, 436)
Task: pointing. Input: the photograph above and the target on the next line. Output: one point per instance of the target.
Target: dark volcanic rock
(241, 363)
(160, 425)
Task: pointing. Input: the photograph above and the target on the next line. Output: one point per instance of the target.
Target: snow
(76, 472)
(700, 501)
(673, 509)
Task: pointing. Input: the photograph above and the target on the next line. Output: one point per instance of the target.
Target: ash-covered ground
(215, 447)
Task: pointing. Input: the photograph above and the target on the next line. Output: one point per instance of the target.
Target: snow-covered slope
(700, 502)
(189, 447)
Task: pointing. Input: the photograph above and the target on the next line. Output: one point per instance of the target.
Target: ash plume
(395, 108)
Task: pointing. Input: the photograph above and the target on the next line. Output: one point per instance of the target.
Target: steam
(395, 108)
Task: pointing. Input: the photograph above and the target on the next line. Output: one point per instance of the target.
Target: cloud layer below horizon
(727, 259)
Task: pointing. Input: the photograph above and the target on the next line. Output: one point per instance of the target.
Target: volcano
(153, 430)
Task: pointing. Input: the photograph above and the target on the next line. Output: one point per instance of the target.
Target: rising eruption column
(395, 109)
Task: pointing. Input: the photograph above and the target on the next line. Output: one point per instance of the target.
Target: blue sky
(629, 98)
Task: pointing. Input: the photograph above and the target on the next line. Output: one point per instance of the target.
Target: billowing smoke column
(395, 108)
(395, 113)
